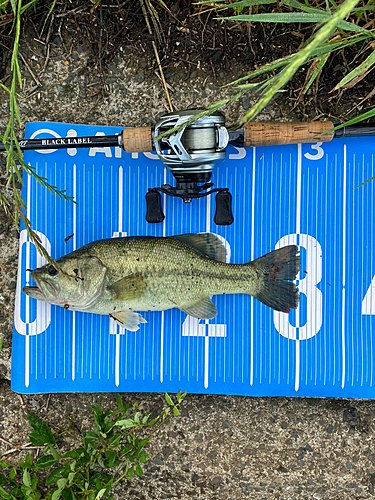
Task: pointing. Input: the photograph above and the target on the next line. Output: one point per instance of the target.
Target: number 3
(319, 152)
(307, 286)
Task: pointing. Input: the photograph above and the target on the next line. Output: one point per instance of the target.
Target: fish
(121, 277)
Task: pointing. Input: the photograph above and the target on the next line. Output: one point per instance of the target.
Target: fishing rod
(192, 152)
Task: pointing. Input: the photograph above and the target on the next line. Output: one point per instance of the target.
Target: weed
(112, 451)
(15, 161)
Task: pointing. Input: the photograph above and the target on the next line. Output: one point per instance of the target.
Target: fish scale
(119, 276)
(175, 273)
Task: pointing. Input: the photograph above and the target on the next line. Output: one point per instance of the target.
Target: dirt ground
(100, 68)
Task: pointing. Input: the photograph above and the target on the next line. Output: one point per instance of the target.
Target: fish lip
(34, 292)
(43, 290)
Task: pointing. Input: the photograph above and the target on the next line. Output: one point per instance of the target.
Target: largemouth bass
(120, 276)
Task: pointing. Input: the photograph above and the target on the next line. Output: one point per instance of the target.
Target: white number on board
(307, 286)
(43, 309)
(240, 153)
(191, 326)
(319, 152)
(368, 303)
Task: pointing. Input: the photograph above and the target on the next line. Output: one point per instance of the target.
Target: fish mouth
(34, 292)
(44, 289)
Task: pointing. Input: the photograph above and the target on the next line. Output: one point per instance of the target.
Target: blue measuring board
(304, 195)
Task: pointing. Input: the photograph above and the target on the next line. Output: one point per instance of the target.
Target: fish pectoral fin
(128, 319)
(127, 288)
(201, 309)
(210, 244)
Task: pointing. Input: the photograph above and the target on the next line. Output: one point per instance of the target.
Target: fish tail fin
(276, 268)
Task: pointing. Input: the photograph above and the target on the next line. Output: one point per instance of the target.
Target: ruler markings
(360, 356)
(297, 373)
(252, 258)
(343, 339)
(362, 340)
(372, 222)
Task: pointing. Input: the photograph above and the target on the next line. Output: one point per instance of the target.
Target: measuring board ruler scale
(304, 195)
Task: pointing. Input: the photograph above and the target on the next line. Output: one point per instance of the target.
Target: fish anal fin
(128, 319)
(128, 288)
(210, 244)
(201, 309)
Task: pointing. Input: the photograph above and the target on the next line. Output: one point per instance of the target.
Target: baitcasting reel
(191, 154)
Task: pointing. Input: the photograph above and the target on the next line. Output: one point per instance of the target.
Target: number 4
(368, 303)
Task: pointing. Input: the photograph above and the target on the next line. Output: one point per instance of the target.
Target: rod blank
(67, 142)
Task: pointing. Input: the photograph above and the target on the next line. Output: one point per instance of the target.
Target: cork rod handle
(273, 134)
(137, 140)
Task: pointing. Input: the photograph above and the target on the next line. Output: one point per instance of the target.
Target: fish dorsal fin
(210, 244)
(128, 288)
(128, 319)
(202, 308)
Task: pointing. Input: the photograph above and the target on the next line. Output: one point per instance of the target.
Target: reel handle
(223, 214)
(274, 134)
(137, 140)
(154, 212)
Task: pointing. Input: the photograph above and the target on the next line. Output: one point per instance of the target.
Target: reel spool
(191, 154)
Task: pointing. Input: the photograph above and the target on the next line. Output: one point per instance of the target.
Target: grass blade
(357, 119)
(320, 62)
(236, 5)
(292, 17)
(324, 49)
(300, 58)
(359, 71)
(365, 182)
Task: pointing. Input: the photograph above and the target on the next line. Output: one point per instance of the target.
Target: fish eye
(52, 271)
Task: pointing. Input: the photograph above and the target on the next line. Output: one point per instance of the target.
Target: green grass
(337, 27)
(13, 10)
(113, 450)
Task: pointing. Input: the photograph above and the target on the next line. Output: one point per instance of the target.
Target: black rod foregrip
(355, 130)
(67, 142)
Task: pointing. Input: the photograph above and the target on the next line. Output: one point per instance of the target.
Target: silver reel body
(191, 155)
(197, 147)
